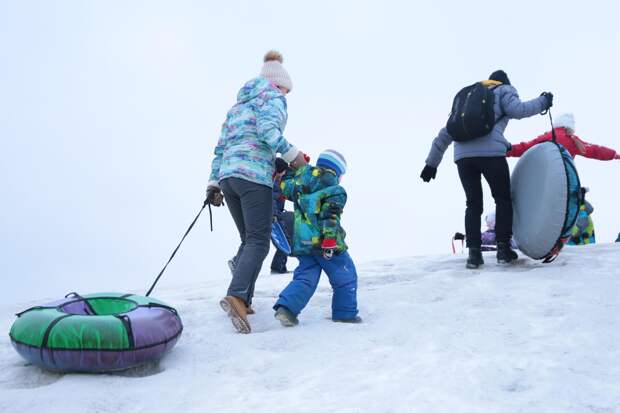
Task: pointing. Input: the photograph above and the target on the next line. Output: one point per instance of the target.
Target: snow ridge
(436, 338)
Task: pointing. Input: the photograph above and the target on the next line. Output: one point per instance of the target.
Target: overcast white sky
(109, 112)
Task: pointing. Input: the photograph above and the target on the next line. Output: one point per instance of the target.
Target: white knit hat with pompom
(565, 120)
(274, 71)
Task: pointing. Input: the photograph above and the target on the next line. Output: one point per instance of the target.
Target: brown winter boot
(237, 311)
(249, 310)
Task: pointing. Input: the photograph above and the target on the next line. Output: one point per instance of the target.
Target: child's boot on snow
(355, 320)
(505, 254)
(282, 270)
(475, 258)
(285, 317)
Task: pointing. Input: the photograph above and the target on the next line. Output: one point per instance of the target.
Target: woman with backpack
(243, 170)
(480, 114)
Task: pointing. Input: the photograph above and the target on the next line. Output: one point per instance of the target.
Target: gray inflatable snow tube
(545, 196)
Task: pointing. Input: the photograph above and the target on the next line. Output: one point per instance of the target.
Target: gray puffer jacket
(507, 106)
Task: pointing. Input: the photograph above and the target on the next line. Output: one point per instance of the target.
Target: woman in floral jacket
(243, 170)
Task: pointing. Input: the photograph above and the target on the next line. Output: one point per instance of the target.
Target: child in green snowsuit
(319, 240)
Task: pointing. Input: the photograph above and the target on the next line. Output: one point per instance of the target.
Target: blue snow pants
(342, 276)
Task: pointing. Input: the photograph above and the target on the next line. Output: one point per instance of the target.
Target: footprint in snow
(516, 386)
(144, 370)
(27, 376)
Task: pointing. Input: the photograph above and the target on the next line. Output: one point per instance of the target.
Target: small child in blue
(318, 241)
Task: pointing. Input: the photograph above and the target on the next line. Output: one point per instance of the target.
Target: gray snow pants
(250, 206)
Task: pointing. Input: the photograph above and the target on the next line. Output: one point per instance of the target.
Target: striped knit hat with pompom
(334, 160)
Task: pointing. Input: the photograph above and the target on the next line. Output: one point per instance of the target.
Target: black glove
(549, 97)
(459, 236)
(428, 173)
(281, 165)
(214, 196)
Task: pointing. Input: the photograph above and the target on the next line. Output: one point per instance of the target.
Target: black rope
(101, 350)
(210, 216)
(46, 336)
(128, 329)
(156, 305)
(178, 246)
(38, 307)
(551, 257)
(552, 127)
(87, 304)
(548, 111)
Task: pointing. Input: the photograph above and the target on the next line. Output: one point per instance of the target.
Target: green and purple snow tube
(96, 332)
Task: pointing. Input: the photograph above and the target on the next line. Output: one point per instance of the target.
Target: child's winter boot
(285, 317)
(355, 320)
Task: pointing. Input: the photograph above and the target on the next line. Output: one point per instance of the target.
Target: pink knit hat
(275, 72)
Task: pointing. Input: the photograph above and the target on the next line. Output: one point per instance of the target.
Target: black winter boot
(475, 258)
(505, 254)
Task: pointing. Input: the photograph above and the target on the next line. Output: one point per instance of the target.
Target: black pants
(250, 206)
(495, 171)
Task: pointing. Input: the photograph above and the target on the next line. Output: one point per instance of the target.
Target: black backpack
(472, 113)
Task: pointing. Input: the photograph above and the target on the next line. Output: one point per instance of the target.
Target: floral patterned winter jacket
(252, 135)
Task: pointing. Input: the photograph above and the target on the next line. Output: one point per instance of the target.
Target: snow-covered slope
(436, 338)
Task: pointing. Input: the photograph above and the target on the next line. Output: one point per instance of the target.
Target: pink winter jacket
(572, 143)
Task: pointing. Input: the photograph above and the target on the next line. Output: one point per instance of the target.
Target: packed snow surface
(435, 338)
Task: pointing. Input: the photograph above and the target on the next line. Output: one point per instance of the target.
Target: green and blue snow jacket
(319, 201)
